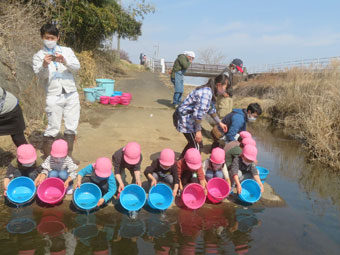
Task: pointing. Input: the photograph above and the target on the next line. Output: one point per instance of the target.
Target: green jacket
(182, 63)
(231, 154)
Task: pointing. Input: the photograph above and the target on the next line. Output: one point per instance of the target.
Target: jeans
(58, 174)
(168, 179)
(179, 87)
(211, 174)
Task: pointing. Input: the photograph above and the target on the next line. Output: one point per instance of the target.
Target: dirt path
(147, 120)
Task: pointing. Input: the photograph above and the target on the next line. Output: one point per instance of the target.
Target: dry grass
(308, 102)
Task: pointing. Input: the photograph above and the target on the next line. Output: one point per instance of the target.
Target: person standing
(11, 119)
(201, 101)
(55, 66)
(224, 103)
(181, 65)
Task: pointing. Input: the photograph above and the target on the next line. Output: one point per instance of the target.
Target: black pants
(191, 143)
(187, 178)
(19, 139)
(104, 185)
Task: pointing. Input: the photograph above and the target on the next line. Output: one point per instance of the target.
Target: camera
(54, 57)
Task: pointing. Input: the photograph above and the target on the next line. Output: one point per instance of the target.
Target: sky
(258, 32)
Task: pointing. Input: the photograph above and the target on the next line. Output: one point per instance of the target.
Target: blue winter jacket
(236, 122)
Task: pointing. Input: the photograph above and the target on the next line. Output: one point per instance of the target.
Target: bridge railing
(312, 64)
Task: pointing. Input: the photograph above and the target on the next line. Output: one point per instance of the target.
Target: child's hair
(49, 29)
(254, 107)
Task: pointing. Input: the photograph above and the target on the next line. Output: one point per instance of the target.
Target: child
(164, 169)
(26, 164)
(55, 65)
(236, 151)
(101, 174)
(243, 167)
(59, 165)
(215, 166)
(236, 143)
(190, 170)
(128, 157)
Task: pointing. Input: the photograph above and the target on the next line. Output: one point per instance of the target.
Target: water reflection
(213, 230)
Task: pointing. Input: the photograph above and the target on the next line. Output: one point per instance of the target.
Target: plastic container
(99, 92)
(87, 196)
(127, 96)
(117, 93)
(133, 197)
(114, 100)
(90, 94)
(160, 197)
(104, 100)
(263, 172)
(193, 196)
(107, 84)
(251, 191)
(218, 189)
(86, 231)
(124, 101)
(51, 190)
(21, 190)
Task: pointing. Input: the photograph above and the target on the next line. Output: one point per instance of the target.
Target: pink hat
(59, 148)
(167, 157)
(193, 158)
(26, 154)
(245, 134)
(132, 153)
(103, 167)
(250, 152)
(27, 252)
(217, 156)
(248, 141)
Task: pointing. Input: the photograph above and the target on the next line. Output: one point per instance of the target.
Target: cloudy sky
(258, 32)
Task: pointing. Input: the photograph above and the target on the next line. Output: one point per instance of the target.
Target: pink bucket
(115, 100)
(51, 190)
(193, 196)
(124, 101)
(127, 96)
(104, 99)
(218, 189)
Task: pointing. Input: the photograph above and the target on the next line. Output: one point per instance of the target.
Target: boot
(69, 138)
(47, 144)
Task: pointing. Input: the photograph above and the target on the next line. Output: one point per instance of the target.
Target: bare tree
(211, 56)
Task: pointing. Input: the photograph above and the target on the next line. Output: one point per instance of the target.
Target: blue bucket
(108, 84)
(117, 93)
(251, 191)
(99, 91)
(21, 190)
(87, 196)
(263, 172)
(160, 197)
(90, 94)
(21, 226)
(132, 197)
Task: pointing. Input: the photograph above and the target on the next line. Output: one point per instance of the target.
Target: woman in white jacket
(55, 65)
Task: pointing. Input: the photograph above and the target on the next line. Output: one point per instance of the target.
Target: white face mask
(28, 165)
(216, 167)
(251, 118)
(246, 163)
(234, 70)
(50, 44)
(165, 168)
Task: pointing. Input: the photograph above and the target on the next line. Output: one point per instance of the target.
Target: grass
(307, 102)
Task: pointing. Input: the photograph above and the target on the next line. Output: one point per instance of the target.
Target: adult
(55, 66)
(236, 121)
(11, 119)
(181, 65)
(224, 104)
(201, 101)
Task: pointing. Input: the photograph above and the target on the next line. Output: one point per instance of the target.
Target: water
(308, 224)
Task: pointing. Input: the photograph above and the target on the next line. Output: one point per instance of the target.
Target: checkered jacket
(194, 107)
